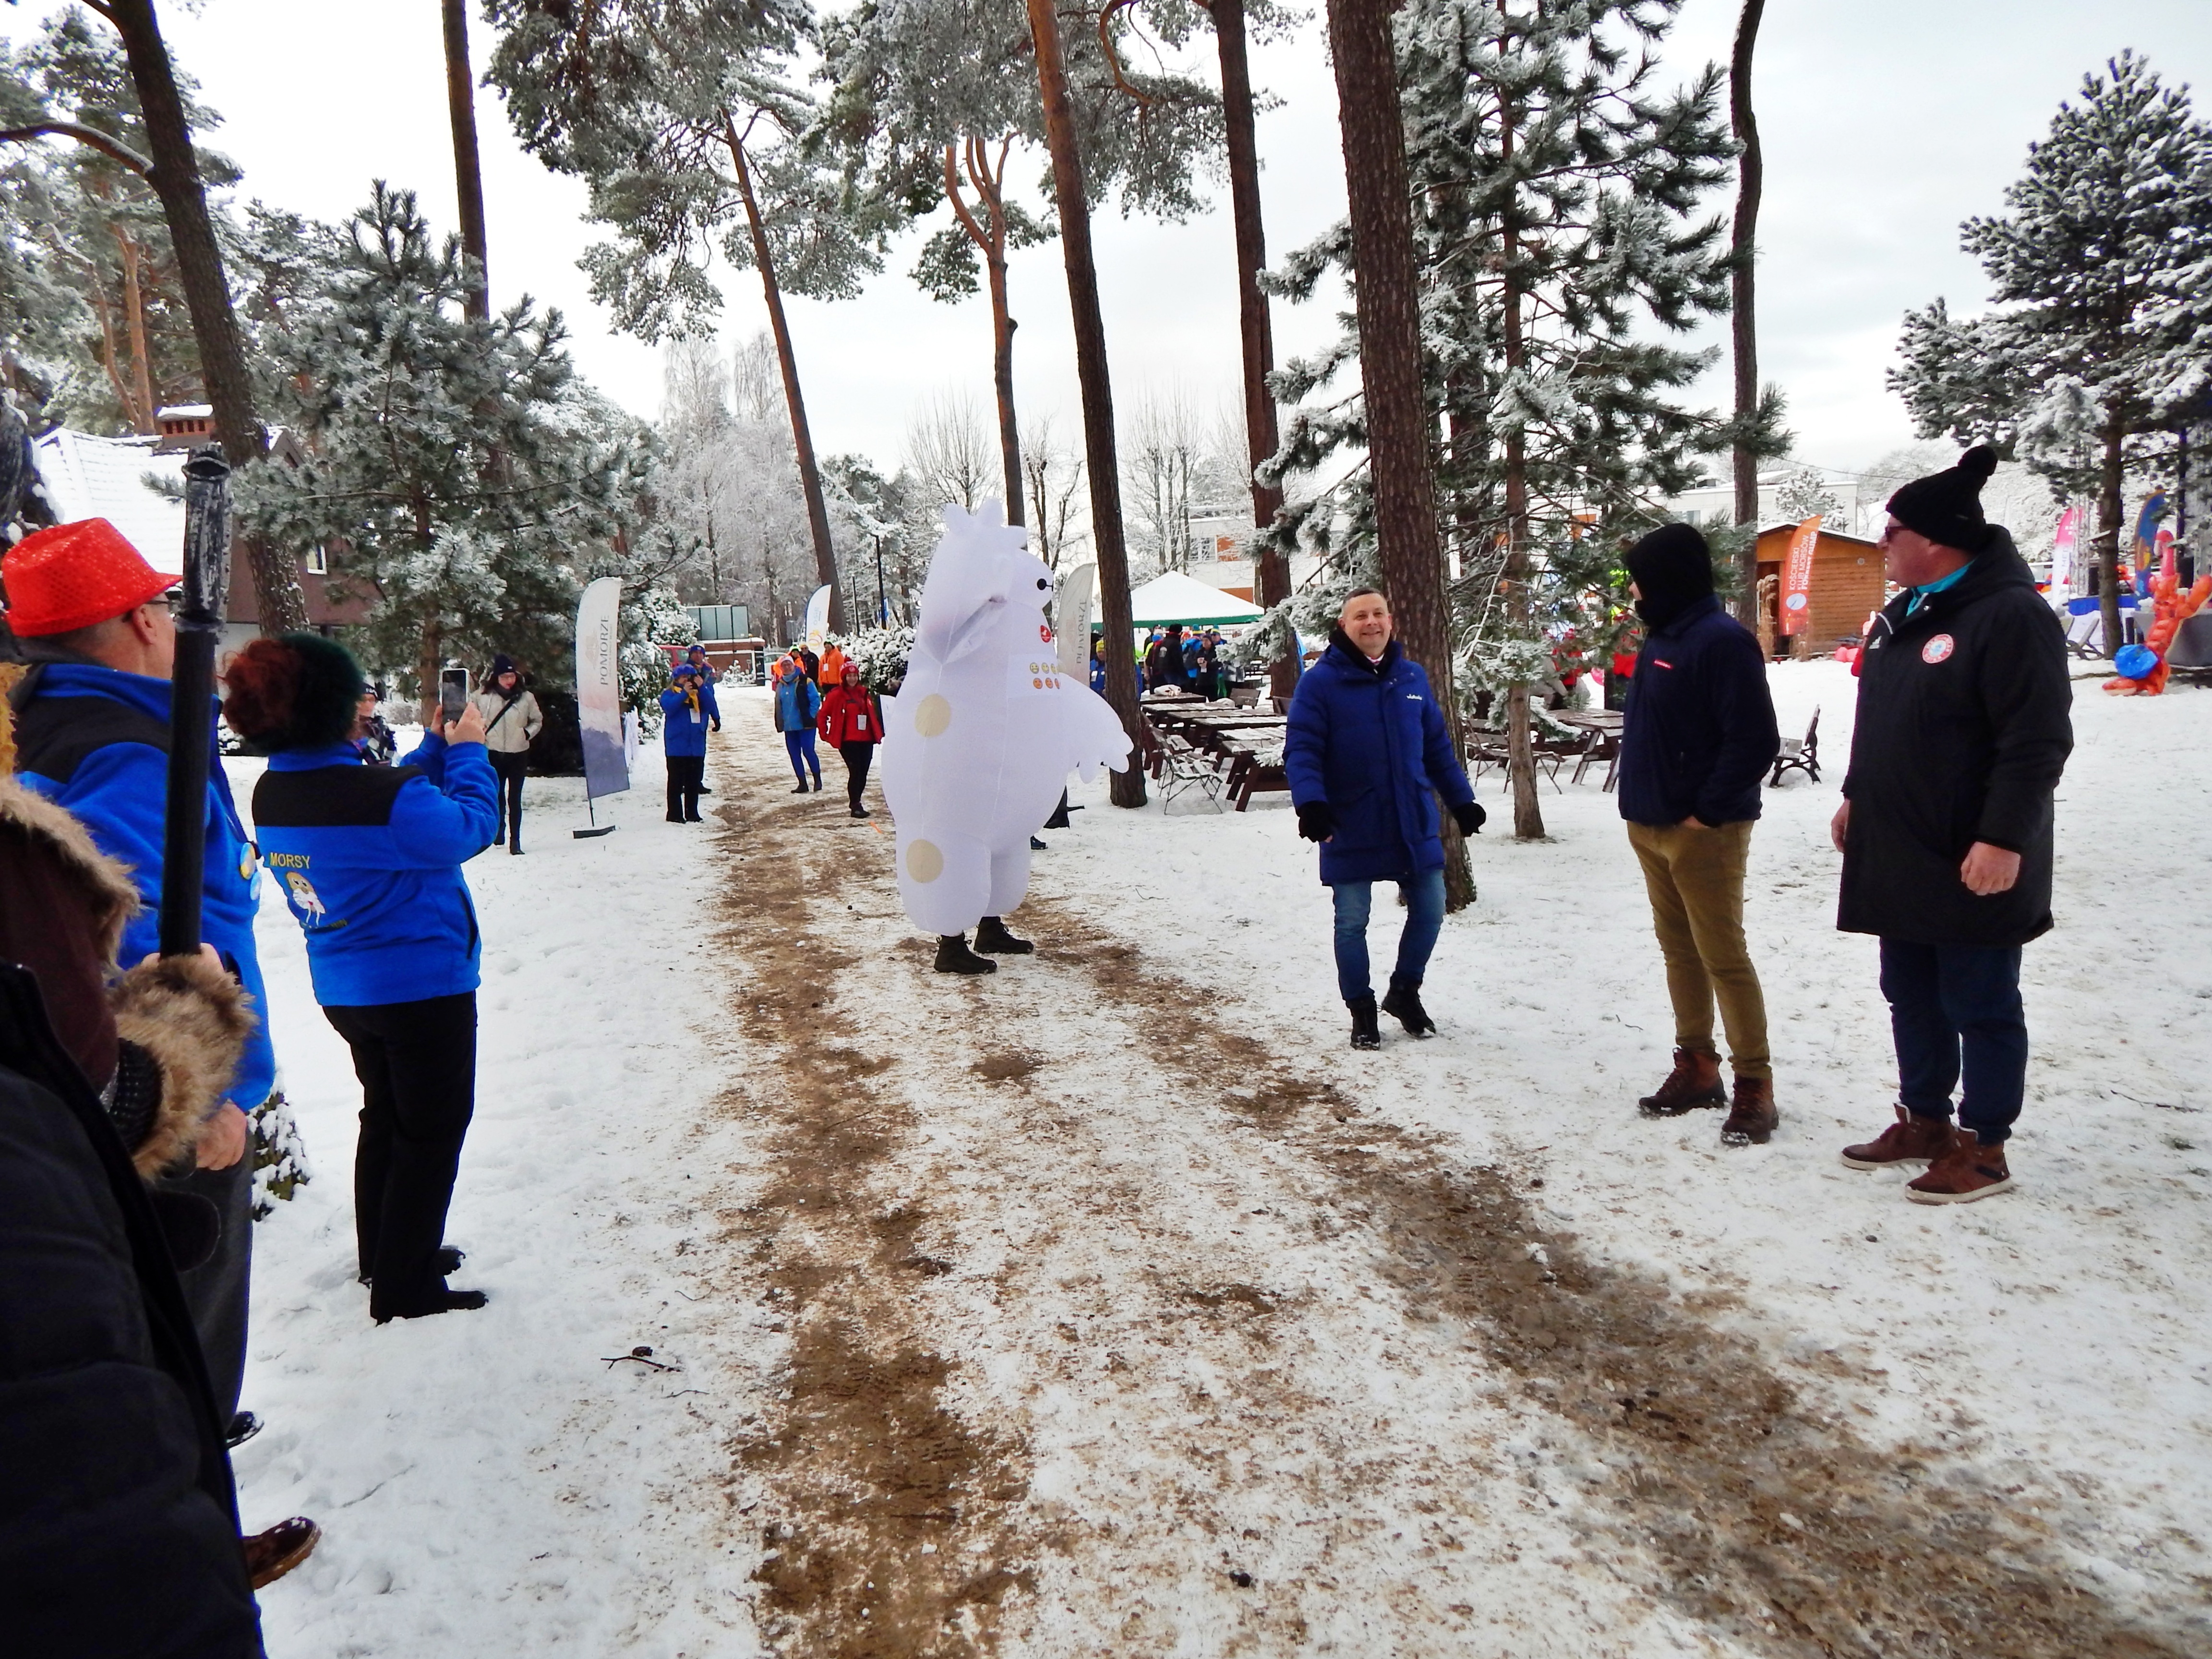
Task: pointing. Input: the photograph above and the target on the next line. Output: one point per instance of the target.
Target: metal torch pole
(199, 609)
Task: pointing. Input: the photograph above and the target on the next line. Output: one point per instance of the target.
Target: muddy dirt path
(1114, 1331)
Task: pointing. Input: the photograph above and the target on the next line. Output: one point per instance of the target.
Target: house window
(318, 561)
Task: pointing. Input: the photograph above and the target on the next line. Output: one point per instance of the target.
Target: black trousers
(417, 1066)
(511, 768)
(685, 774)
(858, 758)
(217, 1290)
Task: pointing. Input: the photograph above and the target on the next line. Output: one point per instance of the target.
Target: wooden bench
(1799, 754)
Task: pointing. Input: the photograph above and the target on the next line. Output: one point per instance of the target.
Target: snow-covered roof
(92, 478)
(185, 412)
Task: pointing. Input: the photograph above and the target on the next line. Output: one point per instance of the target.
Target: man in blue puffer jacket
(1701, 734)
(1368, 752)
(92, 732)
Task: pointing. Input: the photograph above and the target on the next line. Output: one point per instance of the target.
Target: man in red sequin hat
(76, 576)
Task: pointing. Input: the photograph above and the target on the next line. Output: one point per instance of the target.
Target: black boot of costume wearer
(991, 935)
(953, 956)
(439, 1301)
(1403, 1001)
(1365, 1034)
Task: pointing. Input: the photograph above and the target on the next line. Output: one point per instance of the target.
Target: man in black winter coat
(1701, 734)
(119, 1525)
(1964, 727)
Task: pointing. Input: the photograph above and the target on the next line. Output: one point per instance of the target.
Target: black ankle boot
(1364, 1033)
(991, 935)
(953, 956)
(1404, 1001)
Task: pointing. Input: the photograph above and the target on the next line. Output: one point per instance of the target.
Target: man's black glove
(1470, 818)
(1316, 821)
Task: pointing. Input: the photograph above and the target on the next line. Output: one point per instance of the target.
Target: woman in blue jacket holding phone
(369, 859)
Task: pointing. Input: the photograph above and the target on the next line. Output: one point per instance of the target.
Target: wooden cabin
(1847, 584)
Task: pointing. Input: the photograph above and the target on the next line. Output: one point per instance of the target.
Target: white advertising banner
(598, 688)
(818, 620)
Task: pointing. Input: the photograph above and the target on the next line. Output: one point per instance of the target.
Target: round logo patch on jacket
(1937, 648)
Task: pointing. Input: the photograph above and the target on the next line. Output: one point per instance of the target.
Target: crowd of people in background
(1194, 661)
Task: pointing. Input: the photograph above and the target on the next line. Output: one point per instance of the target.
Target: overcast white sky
(1885, 123)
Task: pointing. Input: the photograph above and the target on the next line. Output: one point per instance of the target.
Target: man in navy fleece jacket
(1700, 734)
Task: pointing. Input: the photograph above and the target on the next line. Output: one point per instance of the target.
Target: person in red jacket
(851, 723)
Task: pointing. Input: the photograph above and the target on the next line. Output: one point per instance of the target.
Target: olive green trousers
(1694, 877)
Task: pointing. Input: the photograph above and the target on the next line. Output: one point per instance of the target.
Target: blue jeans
(1955, 1009)
(1424, 918)
(801, 745)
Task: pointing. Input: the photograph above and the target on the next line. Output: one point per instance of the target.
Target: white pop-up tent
(1176, 597)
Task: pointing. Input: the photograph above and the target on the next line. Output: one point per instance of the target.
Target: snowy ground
(1111, 1305)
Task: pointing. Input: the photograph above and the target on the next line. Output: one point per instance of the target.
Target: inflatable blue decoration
(2134, 662)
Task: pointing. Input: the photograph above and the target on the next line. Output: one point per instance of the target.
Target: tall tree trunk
(802, 437)
(1261, 435)
(989, 236)
(134, 317)
(1091, 371)
(1751, 174)
(468, 171)
(1387, 292)
(2111, 479)
(176, 180)
(1520, 747)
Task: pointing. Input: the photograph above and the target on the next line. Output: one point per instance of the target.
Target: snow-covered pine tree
(684, 117)
(2100, 335)
(1804, 492)
(467, 479)
(94, 225)
(1559, 216)
(924, 114)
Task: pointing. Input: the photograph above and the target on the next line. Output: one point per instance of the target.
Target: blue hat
(680, 671)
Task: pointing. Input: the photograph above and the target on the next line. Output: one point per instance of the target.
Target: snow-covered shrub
(881, 652)
(280, 1157)
(651, 619)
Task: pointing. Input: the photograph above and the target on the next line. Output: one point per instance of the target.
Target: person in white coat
(511, 721)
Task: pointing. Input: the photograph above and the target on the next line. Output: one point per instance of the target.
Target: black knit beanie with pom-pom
(297, 691)
(1946, 507)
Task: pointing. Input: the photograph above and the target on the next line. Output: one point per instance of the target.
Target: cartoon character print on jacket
(980, 740)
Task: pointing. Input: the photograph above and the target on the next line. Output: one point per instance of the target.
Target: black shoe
(439, 1301)
(953, 956)
(675, 817)
(1364, 1033)
(694, 819)
(860, 811)
(500, 840)
(444, 1260)
(1036, 845)
(1404, 1001)
(515, 847)
(798, 788)
(241, 1429)
(704, 790)
(991, 935)
(818, 785)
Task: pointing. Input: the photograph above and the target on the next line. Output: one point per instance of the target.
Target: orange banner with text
(1797, 575)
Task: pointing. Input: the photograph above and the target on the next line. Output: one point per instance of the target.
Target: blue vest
(369, 857)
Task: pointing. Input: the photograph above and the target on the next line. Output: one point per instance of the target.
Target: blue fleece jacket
(96, 740)
(370, 858)
(1369, 740)
(1700, 730)
(682, 732)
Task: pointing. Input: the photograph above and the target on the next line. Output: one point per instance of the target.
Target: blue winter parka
(96, 740)
(683, 727)
(797, 703)
(370, 861)
(1699, 733)
(1369, 739)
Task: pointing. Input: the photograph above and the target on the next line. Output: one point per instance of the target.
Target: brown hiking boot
(1910, 1139)
(1968, 1171)
(1694, 1082)
(270, 1555)
(1753, 1118)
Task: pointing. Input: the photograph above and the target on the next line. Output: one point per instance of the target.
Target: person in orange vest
(833, 669)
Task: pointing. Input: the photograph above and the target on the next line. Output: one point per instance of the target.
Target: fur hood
(105, 884)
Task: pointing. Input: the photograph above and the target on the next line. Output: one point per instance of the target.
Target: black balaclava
(1946, 507)
(1674, 570)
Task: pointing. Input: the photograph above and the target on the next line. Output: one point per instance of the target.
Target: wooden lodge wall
(1847, 584)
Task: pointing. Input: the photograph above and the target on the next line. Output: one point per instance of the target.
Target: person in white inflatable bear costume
(980, 740)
